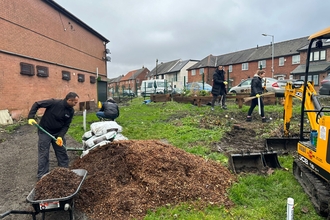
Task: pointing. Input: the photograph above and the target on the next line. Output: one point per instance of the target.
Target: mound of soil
(127, 178)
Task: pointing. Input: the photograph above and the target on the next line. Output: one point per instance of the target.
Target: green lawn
(255, 196)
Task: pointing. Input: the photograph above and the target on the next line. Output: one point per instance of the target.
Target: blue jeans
(101, 115)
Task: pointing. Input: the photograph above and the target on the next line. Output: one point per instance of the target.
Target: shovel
(46, 132)
(52, 137)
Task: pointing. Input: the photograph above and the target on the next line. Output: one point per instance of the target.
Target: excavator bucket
(281, 145)
(249, 162)
(270, 159)
(253, 162)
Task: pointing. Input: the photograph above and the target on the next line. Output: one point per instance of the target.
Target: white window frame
(281, 61)
(230, 68)
(193, 72)
(201, 71)
(245, 66)
(323, 55)
(296, 59)
(262, 63)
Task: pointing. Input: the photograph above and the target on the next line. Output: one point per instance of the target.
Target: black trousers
(43, 154)
(223, 100)
(254, 103)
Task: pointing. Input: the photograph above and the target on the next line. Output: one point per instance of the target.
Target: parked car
(325, 86)
(280, 86)
(129, 93)
(199, 86)
(245, 85)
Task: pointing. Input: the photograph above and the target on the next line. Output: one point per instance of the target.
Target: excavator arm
(296, 90)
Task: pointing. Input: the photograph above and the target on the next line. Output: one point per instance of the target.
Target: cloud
(142, 31)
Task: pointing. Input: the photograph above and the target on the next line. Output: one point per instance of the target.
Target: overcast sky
(142, 31)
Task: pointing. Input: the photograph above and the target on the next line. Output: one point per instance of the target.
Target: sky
(140, 32)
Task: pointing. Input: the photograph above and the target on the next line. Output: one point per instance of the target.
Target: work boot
(248, 118)
(265, 120)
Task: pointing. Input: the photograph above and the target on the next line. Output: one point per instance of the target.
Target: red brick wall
(35, 33)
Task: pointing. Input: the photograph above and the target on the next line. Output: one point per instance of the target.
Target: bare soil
(127, 178)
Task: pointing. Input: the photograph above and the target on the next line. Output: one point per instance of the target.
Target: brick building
(46, 52)
(243, 64)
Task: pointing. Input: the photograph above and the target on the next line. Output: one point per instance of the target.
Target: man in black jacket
(56, 120)
(219, 87)
(256, 90)
(109, 110)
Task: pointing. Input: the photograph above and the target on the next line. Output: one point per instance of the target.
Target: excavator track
(314, 186)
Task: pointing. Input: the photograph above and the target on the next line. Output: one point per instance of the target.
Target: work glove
(225, 82)
(32, 122)
(59, 141)
(258, 95)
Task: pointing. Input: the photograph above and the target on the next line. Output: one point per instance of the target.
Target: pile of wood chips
(127, 178)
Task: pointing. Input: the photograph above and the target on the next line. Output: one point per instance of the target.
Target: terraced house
(289, 62)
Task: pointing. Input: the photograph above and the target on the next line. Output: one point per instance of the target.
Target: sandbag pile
(101, 133)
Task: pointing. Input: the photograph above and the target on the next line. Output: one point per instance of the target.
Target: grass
(255, 196)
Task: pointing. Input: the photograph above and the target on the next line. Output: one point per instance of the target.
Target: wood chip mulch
(127, 178)
(59, 183)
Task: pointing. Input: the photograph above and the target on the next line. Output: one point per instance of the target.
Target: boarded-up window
(66, 75)
(81, 77)
(42, 71)
(27, 69)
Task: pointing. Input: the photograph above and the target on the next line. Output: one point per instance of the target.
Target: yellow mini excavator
(312, 166)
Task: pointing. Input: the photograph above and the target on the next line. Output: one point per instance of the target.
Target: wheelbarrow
(253, 162)
(49, 205)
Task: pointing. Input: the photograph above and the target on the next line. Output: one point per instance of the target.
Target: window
(81, 77)
(262, 63)
(66, 75)
(201, 71)
(316, 80)
(245, 66)
(27, 69)
(312, 78)
(281, 61)
(193, 72)
(317, 55)
(42, 71)
(230, 68)
(175, 77)
(295, 59)
(92, 79)
(322, 55)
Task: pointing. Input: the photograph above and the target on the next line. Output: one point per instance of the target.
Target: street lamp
(272, 52)
(156, 68)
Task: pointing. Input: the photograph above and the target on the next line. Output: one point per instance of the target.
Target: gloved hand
(59, 141)
(225, 82)
(258, 95)
(32, 122)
